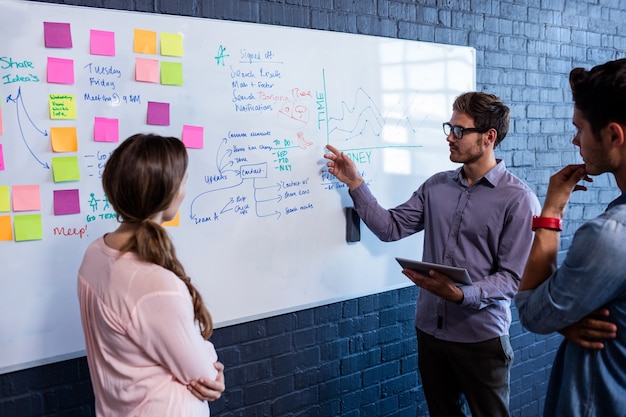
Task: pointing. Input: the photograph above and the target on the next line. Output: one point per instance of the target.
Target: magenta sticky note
(60, 71)
(66, 202)
(193, 136)
(1, 158)
(106, 130)
(101, 42)
(57, 35)
(158, 113)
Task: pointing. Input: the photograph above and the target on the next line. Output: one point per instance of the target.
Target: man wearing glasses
(477, 217)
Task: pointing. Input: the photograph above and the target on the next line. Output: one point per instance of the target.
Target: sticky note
(193, 136)
(64, 139)
(57, 35)
(158, 113)
(171, 73)
(101, 42)
(60, 71)
(28, 227)
(5, 204)
(66, 202)
(145, 42)
(6, 232)
(174, 222)
(106, 130)
(65, 168)
(147, 70)
(171, 44)
(1, 158)
(62, 106)
(26, 198)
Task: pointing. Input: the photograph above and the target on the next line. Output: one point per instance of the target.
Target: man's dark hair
(600, 93)
(487, 110)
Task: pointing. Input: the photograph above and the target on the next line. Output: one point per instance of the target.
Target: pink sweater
(143, 346)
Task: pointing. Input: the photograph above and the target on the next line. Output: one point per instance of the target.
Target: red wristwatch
(551, 223)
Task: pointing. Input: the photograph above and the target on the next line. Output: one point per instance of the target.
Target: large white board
(262, 230)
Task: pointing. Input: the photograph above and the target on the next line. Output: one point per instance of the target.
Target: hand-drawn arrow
(19, 123)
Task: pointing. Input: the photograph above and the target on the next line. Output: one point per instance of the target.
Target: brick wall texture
(357, 358)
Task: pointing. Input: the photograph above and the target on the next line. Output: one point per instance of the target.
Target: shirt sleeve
(393, 224)
(590, 277)
(163, 324)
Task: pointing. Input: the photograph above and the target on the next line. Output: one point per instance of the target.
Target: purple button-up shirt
(485, 228)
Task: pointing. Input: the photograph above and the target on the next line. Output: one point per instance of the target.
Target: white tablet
(459, 275)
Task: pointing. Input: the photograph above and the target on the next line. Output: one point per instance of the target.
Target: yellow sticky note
(62, 106)
(28, 227)
(174, 222)
(145, 42)
(5, 201)
(171, 73)
(65, 168)
(26, 198)
(64, 139)
(171, 44)
(6, 232)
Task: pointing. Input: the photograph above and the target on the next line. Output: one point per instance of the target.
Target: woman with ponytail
(145, 324)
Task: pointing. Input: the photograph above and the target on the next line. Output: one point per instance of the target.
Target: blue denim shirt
(485, 227)
(584, 382)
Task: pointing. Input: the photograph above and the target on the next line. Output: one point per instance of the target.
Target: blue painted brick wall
(358, 357)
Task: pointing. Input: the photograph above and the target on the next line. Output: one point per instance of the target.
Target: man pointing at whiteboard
(476, 217)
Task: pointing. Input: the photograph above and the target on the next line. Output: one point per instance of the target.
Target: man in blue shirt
(477, 217)
(585, 382)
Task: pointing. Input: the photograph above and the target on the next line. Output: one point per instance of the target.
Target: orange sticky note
(64, 139)
(174, 222)
(26, 198)
(6, 232)
(145, 42)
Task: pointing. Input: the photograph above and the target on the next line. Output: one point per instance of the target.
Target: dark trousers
(478, 371)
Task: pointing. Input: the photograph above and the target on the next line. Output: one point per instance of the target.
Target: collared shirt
(485, 228)
(585, 382)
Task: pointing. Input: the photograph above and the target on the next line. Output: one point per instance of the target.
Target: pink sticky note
(57, 35)
(102, 42)
(158, 113)
(60, 71)
(66, 202)
(26, 198)
(147, 70)
(106, 130)
(1, 158)
(193, 136)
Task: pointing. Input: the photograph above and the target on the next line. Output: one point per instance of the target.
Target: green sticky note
(65, 168)
(28, 227)
(171, 44)
(171, 73)
(5, 201)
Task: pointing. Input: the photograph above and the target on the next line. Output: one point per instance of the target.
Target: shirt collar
(619, 200)
(492, 177)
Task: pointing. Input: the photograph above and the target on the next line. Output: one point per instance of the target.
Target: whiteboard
(262, 230)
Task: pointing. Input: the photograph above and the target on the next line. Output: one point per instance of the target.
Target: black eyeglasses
(458, 131)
